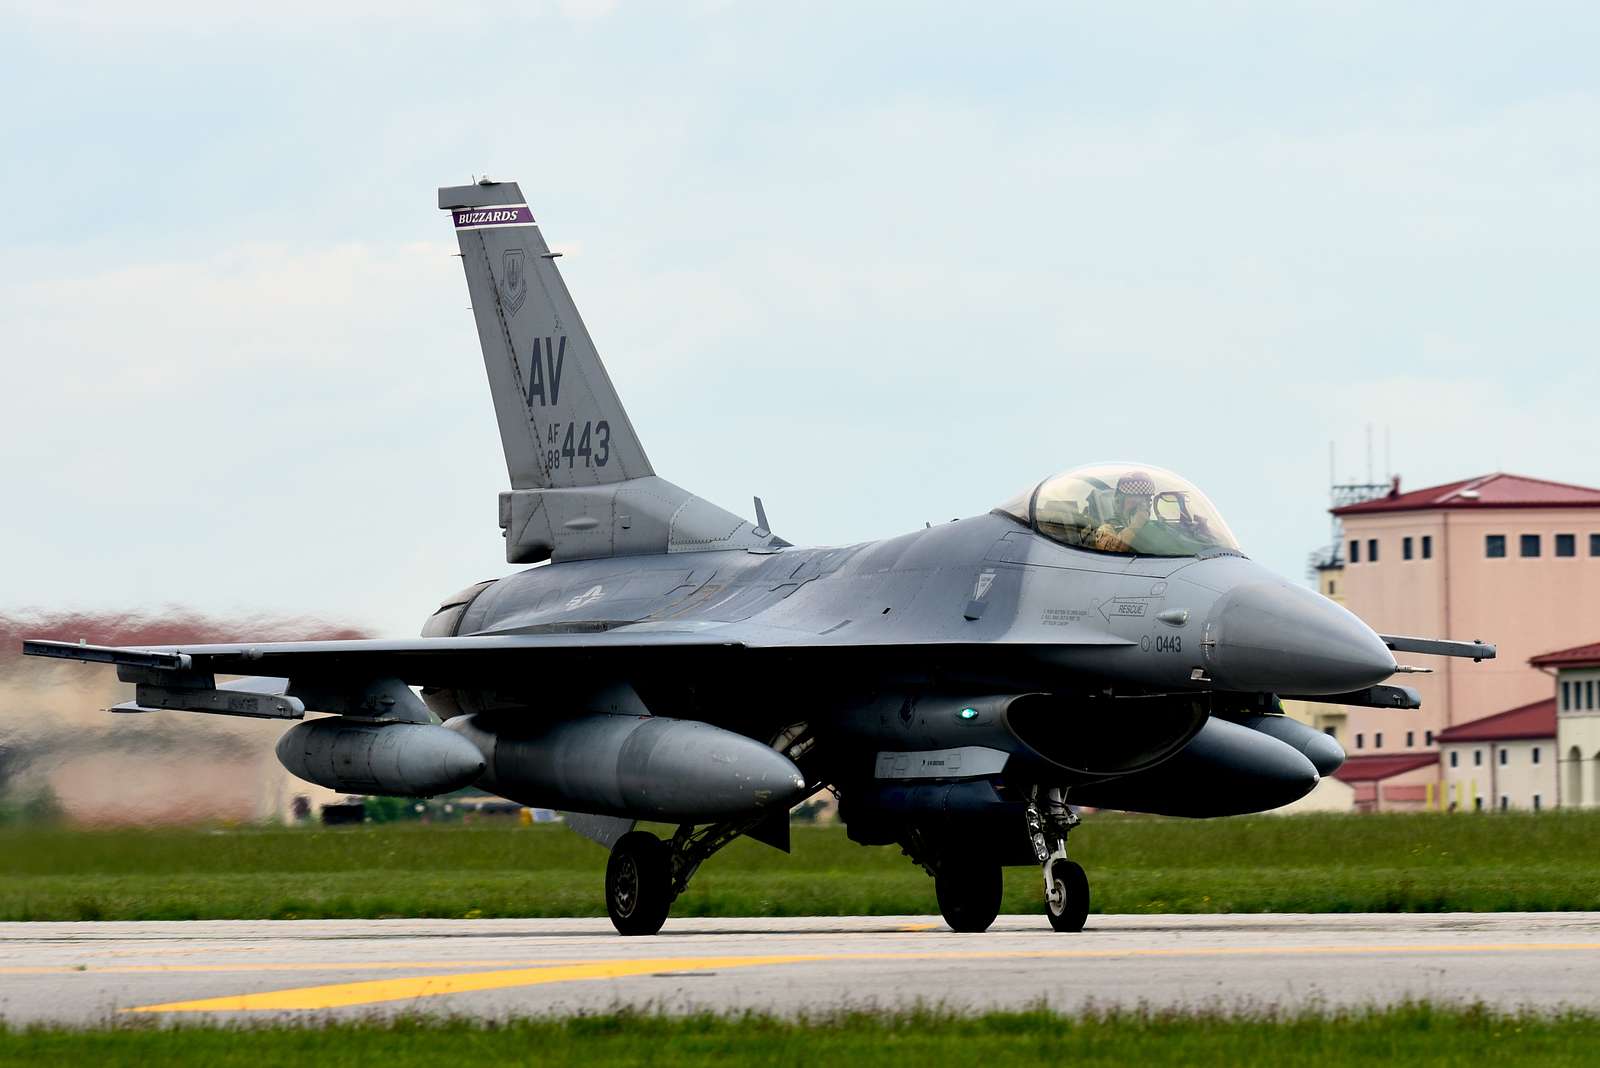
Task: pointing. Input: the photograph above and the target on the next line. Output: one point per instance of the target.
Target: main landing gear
(968, 893)
(1066, 887)
(645, 875)
(966, 877)
(639, 883)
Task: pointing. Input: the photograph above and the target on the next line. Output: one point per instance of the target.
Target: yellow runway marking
(371, 992)
(379, 990)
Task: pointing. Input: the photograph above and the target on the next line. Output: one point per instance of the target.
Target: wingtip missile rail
(1474, 650)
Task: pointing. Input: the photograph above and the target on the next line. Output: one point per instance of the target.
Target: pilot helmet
(1136, 484)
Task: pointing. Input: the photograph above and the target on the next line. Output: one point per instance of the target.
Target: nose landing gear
(1066, 895)
(1066, 887)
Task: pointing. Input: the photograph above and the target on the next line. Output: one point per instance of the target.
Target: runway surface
(85, 973)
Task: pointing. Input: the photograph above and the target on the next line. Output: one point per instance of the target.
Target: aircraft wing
(369, 677)
(416, 661)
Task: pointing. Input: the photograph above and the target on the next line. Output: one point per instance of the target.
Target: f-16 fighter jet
(1100, 639)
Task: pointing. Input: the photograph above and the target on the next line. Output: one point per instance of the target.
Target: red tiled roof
(1498, 490)
(1537, 720)
(174, 629)
(1577, 656)
(1372, 768)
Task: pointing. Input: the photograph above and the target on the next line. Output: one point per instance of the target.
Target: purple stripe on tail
(500, 215)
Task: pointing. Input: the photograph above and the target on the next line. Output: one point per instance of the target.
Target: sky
(879, 264)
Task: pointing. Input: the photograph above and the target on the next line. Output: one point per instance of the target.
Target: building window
(1505, 802)
(1427, 546)
(1427, 738)
(1594, 544)
(1566, 697)
(1455, 760)
(1355, 551)
(1502, 756)
(1529, 545)
(1588, 694)
(1566, 545)
(1372, 550)
(1411, 739)
(1361, 740)
(1477, 804)
(1477, 758)
(1329, 731)
(1333, 588)
(1494, 546)
(1536, 800)
(1405, 548)
(1377, 739)
(1536, 754)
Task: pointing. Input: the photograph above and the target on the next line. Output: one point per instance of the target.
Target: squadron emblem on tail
(515, 285)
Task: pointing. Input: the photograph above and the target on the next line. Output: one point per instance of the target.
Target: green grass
(1314, 863)
(1409, 1034)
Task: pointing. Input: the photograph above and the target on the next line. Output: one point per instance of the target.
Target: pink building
(1505, 558)
(1402, 782)
(1577, 699)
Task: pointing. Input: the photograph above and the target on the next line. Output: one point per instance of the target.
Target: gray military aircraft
(1100, 638)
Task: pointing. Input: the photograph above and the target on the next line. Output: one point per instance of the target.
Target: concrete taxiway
(85, 973)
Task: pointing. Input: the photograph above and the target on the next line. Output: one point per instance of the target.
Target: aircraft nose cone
(1274, 637)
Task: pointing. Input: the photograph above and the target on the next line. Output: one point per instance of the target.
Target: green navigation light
(969, 713)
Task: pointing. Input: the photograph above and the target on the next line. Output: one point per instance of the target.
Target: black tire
(969, 894)
(1074, 885)
(638, 884)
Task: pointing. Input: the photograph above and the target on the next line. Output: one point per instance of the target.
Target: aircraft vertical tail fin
(561, 423)
(581, 486)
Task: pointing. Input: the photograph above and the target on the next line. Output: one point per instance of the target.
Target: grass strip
(1419, 1034)
(478, 895)
(1396, 863)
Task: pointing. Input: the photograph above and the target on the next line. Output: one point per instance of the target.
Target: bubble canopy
(1133, 509)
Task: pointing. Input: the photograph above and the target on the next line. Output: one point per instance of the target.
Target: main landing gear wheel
(639, 883)
(1067, 902)
(969, 894)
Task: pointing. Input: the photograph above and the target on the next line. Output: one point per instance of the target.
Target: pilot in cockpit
(1132, 501)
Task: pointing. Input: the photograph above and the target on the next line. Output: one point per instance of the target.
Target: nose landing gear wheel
(1067, 902)
(969, 894)
(639, 883)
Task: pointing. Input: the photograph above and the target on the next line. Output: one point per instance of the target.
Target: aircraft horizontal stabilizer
(105, 654)
(169, 681)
